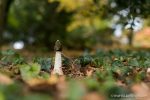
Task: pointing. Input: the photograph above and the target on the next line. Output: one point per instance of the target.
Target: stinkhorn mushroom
(148, 70)
(58, 60)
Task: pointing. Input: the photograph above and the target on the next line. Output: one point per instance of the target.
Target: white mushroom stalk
(58, 59)
(148, 70)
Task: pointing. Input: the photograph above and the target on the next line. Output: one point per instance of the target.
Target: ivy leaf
(133, 62)
(2, 96)
(30, 71)
(147, 63)
(45, 63)
(85, 59)
(76, 91)
(115, 92)
(11, 57)
(37, 96)
(44, 75)
(8, 52)
(117, 63)
(97, 62)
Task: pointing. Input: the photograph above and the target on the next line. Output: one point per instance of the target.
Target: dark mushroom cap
(58, 46)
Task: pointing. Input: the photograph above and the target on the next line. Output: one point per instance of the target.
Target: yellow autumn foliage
(83, 13)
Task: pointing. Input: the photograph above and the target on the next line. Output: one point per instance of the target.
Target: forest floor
(98, 75)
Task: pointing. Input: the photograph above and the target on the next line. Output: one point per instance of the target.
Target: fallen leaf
(35, 81)
(5, 79)
(53, 79)
(89, 71)
(62, 88)
(148, 70)
(93, 96)
(141, 91)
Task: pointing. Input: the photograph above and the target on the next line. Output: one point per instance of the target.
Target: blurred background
(78, 24)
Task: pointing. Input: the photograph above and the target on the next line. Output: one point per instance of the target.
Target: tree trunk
(4, 9)
(130, 37)
(2, 17)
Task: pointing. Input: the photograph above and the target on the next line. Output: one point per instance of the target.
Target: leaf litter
(113, 75)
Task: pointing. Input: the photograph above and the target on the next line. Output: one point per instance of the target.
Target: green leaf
(45, 63)
(45, 75)
(8, 52)
(147, 63)
(117, 63)
(37, 96)
(12, 92)
(2, 96)
(118, 93)
(92, 84)
(97, 61)
(30, 71)
(85, 60)
(10, 57)
(76, 91)
(133, 62)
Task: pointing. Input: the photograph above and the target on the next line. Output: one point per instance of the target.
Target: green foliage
(92, 84)
(85, 59)
(147, 63)
(29, 71)
(45, 63)
(98, 61)
(44, 75)
(1, 96)
(133, 62)
(8, 52)
(15, 92)
(69, 20)
(39, 20)
(10, 92)
(37, 96)
(75, 91)
(115, 72)
(118, 93)
(11, 57)
(117, 63)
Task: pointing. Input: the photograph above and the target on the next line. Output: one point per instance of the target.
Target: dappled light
(18, 45)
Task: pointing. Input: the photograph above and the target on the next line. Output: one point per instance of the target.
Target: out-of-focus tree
(130, 13)
(89, 21)
(38, 21)
(97, 13)
(85, 13)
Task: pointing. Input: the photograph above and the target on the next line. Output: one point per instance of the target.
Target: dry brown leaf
(148, 70)
(148, 75)
(53, 79)
(35, 81)
(141, 91)
(93, 96)
(89, 71)
(120, 83)
(62, 88)
(5, 79)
